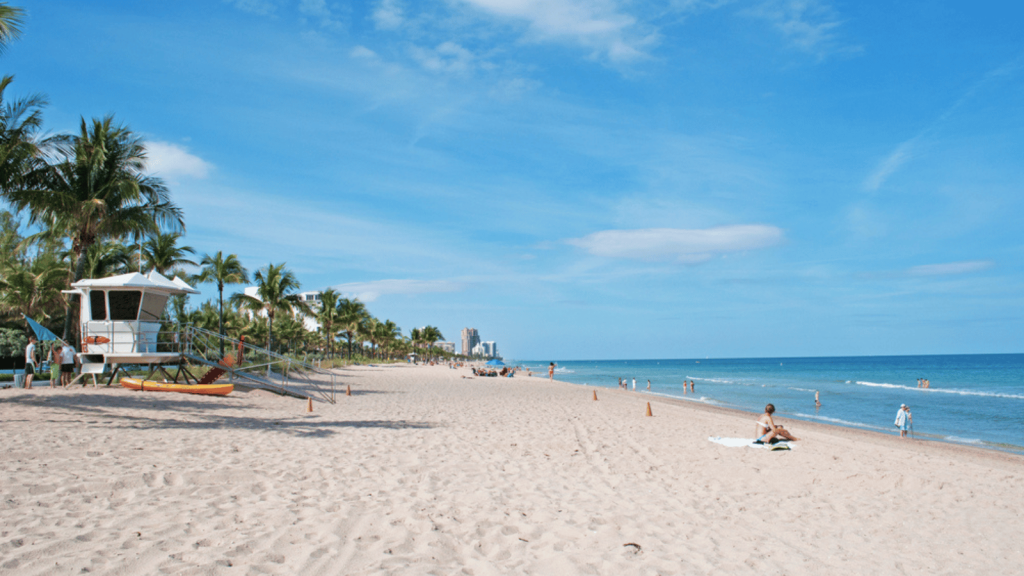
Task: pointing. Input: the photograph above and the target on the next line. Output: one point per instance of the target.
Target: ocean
(974, 399)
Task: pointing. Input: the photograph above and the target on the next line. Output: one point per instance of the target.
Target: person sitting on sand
(768, 431)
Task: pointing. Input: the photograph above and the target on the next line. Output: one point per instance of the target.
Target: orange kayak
(151, 386)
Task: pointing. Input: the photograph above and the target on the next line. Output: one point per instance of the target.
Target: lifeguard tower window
(152, 307)
(98, 303)
(124, 304)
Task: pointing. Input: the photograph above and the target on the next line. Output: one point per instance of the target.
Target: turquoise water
(973, 399)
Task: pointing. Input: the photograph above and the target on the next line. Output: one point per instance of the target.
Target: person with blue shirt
(904, 419)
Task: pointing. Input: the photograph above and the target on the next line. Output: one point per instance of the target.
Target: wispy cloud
(319, 11)
(388, 14)
(905, 150)
(370, 291)
(683, 246)
(809, 25)
(260, 7)
(446, 57)
(170, 160)
(950, 268)
(599, 25)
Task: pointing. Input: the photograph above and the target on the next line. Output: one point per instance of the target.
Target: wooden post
(595, 395)
(309, 404)
(649, 409)
(348, 390)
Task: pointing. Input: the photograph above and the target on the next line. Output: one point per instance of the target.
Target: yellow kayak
(151, 386)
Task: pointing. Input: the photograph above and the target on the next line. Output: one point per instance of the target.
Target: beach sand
(421, 471)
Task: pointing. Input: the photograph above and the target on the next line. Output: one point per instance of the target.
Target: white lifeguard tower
(120, 325)
(120, 320)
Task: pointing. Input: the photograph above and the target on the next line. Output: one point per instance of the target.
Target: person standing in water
(817, 403)
(551, 371)
(691, 387)
(634, 384)
(648, 384)
(904, 420)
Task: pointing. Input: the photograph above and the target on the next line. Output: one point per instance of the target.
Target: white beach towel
(747, 442)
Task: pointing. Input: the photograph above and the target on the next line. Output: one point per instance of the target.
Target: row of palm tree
(95, 212)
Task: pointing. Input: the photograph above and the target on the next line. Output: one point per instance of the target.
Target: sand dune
(421, 471)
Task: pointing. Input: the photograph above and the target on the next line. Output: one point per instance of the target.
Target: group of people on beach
(62, 358)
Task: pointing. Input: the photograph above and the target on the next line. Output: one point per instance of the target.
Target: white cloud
(950, 268)
(810, 25)
(388, 15)
(887, 167)
(683, 246)
(370, 291)
(170, 160)
(362, 53)
(260, 7)
(447, 57)
(318, 9)
(595, 24)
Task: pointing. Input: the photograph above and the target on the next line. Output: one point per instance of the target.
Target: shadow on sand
(168, 412)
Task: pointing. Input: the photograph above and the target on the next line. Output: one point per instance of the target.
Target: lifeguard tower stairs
(242, 364)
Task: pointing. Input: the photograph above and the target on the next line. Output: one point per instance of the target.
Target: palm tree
(162, 253)
(97, 191)
(33, 288)
(276, 291)
(20, 148)
(430, 335)
(330, 312)
(11, 19)
(352, 316)
(222, 270)
(107, 259)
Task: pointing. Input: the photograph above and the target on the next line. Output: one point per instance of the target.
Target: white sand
(423, 472)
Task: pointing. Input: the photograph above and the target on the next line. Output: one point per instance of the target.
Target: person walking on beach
(634, 384)
(648, 384)
(904, 419)
(551, 371)
(30, 361)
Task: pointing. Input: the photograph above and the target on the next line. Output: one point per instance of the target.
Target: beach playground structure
(121, 328)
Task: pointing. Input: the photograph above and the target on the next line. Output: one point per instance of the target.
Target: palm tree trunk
(220, 289)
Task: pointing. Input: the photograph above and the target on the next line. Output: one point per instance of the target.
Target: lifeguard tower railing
(246, 364)
(163, 344)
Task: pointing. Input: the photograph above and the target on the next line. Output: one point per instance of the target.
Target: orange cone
(595, 395)
(348, 390)
(649, 409)
(309, 404)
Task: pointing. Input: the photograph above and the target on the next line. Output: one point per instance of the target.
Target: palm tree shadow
(199, 414)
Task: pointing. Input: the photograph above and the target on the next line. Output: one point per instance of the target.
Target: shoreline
(891, 440)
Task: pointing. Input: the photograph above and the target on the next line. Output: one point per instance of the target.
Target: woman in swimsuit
(767, 430)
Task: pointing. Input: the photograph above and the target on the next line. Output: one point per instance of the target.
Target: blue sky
(586, 179)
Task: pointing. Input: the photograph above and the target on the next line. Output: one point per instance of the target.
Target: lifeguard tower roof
(154, 281)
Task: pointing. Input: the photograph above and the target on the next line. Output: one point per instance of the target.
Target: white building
(446, 346)
(486, 349)
(311, 299)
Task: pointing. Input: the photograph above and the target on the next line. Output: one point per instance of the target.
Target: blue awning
(42, 333)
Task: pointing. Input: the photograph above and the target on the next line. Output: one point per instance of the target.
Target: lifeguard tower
(120, 325)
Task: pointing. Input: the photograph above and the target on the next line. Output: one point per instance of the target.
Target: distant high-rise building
(470, 338)
(446, 346)
(490, 349)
